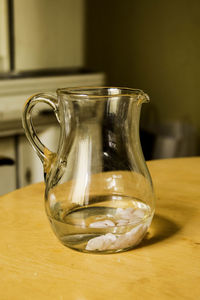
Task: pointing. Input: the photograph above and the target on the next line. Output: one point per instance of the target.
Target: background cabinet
(27, 168)
(8, 177)
(30, 169)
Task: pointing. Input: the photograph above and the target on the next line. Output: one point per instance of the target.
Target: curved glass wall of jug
(100, 174)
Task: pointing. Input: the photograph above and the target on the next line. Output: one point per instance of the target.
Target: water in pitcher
(114, 223)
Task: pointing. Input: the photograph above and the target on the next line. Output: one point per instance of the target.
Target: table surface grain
(166, 265)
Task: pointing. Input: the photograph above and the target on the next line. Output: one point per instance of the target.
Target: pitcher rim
(82, 91)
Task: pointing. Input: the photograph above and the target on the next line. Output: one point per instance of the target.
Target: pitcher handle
(43, 152)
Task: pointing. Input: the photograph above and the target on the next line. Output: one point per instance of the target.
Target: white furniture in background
(30, 168)
(44, 35)
(8, 180)
(13, 94)
(4, 37)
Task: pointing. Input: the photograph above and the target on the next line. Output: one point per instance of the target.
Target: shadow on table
(161, 229)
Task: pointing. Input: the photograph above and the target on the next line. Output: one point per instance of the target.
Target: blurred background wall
(155, 46)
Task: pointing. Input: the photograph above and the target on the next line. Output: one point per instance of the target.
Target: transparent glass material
(99, 196)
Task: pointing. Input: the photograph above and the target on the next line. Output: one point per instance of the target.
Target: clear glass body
(99, 195)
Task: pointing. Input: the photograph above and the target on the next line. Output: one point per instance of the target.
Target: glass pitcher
(99, 196)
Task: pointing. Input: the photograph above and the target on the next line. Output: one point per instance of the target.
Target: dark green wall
(149, 44)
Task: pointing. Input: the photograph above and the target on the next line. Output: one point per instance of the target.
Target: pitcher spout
(142, 98)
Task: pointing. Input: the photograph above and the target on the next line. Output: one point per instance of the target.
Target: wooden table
(34, 265)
